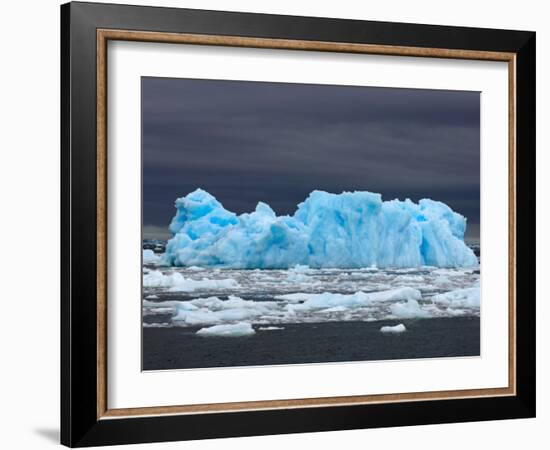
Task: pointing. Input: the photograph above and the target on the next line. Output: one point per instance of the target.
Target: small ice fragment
(232, 330)
(270, 328)
(395, 329)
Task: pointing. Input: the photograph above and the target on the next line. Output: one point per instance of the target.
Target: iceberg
(347, 230)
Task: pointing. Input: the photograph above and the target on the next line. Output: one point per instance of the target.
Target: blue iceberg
(347, 230)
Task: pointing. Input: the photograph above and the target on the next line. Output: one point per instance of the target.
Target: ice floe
(177, 282)
(393, 329)
(232, 330)
(330, 300)
(156, 325)
(150, 257)
(205, 297)
(409, 310)
(467, 297)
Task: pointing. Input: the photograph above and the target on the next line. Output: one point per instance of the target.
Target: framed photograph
(276, 224)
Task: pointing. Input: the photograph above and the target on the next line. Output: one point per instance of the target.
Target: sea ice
(410, 309)
(395, 329)
(231, 330)
(331, 300)
(156, 325)
(161, 310)
(176, 282)
(268, 297)
(150, 257)
(212, 310)
(347, 230)
(334, 309)
(459, 298)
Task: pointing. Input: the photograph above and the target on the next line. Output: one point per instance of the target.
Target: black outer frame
(79, 423)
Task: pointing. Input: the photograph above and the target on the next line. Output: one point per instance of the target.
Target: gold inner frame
(104, 35)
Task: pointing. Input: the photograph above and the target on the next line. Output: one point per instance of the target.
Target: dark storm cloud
(246, 142)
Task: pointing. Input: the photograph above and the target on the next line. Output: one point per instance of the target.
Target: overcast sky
(246, 142)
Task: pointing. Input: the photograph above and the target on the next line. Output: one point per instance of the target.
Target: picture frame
(86, 418)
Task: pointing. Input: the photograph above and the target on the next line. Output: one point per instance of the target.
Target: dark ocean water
(182, 348)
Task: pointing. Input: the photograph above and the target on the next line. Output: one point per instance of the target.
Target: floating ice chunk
(297, 276)
(166, 304)
(442, 281)
(455, 312)
(204, 316)
(303, 301)
(270, 328)
(449, 272)
(160, 310)
(156, 325)
(410, 309)
(189, 285)
(410, 279)
(334, 309)
(295, 297)
(329, 299)
(349, 230)
(230, 330)
(177, 282)
(393, 329)
(155, 278)
(212, 310)
(392, 295)
(151, 297)
(300, 274)
(459, 298)
(150, 257)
